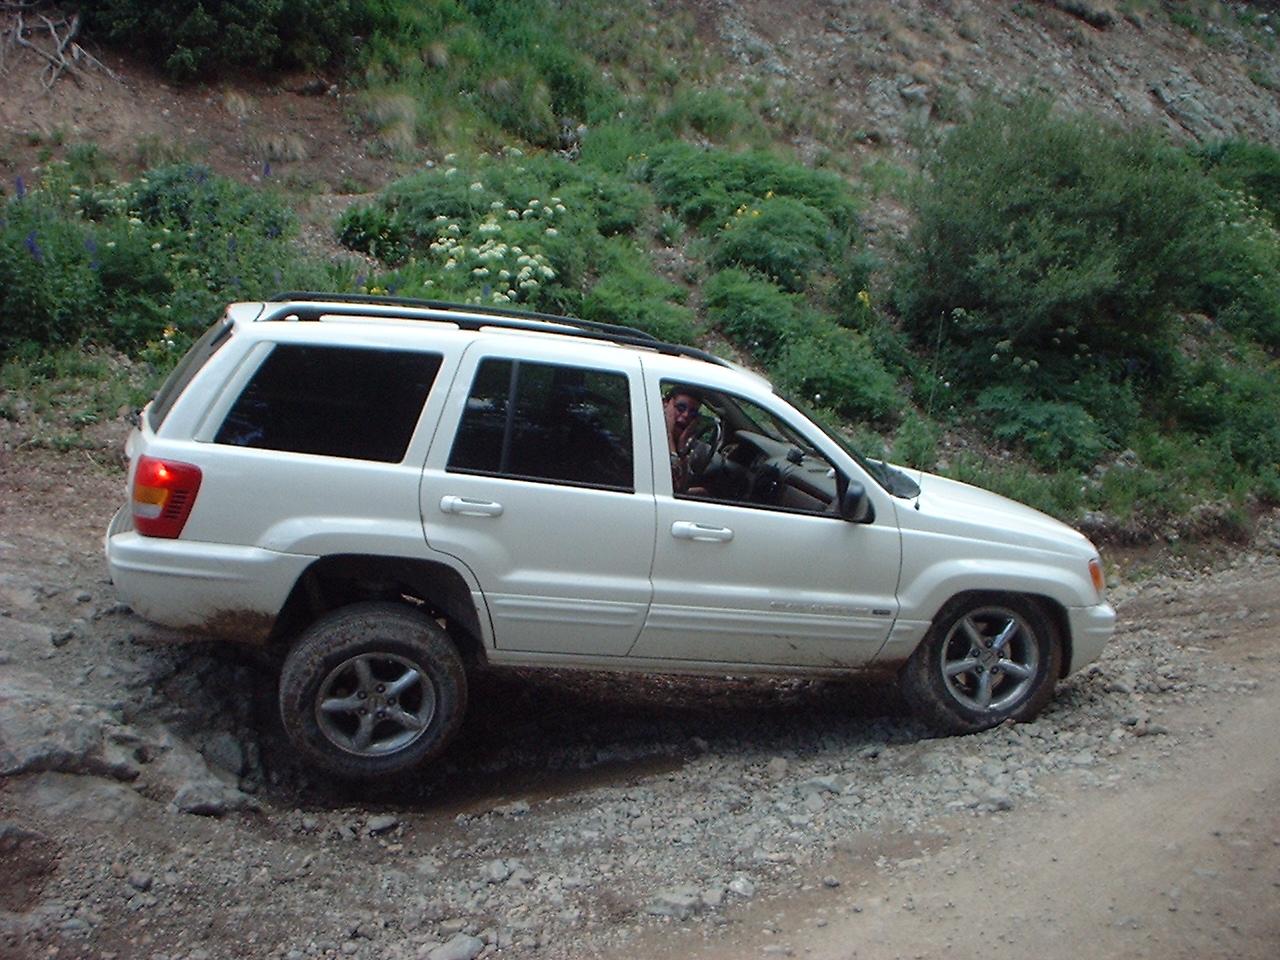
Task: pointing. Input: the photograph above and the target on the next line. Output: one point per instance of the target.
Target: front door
(748, 569)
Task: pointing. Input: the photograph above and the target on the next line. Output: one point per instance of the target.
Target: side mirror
(855, 505)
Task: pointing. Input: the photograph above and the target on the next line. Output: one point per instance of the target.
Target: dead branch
(61, 52)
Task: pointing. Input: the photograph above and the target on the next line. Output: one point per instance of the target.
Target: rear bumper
(1091, 628)
(225, 591)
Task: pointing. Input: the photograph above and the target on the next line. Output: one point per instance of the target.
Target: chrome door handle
(685, 530)
(467, 507)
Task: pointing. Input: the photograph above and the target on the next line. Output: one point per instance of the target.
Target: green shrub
(630, 293)
(1050, 245)
(753, 313)
(782, 238)
(1233, 405)
(708, 185)
(823, 364)
(836, 369)
(1058, 494)
(151, 261)
(916, 443)
(213, 35)
(49, 290)
(714, 114)
(1061, 435)
(486, 70)
(1251, 168)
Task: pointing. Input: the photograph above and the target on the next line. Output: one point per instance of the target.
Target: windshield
(894, 481)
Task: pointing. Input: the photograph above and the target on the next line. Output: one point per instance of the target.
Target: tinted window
(333, 401)
(540, 421)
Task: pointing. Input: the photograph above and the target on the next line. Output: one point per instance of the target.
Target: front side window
(360, 404)
(549, 423)
(727, 449)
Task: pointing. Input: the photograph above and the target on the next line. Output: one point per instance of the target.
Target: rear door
(540, 481)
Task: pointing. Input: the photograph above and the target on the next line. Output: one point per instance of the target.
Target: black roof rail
(496, 317)
(485, 310)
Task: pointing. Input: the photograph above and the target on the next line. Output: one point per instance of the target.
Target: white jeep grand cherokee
(396, 488)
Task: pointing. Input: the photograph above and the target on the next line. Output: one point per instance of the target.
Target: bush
(50, 292)
(1050, 245)
(214, 35)
(1233, 405)
(709, 185)
(628, 292)
(1250, 168)
(520, 68)
(753, 313)
(825, 365)
(836, 369)
(711, 113)
(916, 443)
(151, 261)
(782, 238)
(1060, 435)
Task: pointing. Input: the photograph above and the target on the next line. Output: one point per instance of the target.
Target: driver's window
(727, 449)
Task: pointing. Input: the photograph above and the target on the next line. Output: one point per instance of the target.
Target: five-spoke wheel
(985, 659)
(372, 689)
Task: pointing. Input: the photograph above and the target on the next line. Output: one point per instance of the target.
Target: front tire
(371, 690)
(987, 658)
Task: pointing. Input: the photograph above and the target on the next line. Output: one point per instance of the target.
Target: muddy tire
(371, 690)
(987, 658)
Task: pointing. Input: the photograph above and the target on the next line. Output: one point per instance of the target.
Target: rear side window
(541, 421)
(187, 368)
(333, 401)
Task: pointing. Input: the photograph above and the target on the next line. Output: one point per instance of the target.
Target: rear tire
(987, 658)
(371, 690)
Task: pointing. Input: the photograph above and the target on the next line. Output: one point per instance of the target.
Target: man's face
(681, 409)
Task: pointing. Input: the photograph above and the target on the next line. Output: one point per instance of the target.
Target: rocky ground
(150, 808)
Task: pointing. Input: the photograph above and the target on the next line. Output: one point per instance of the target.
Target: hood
(950, 507)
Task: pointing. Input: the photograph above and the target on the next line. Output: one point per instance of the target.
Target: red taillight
(164, 491)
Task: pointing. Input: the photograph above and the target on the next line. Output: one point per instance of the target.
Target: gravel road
(149, 806)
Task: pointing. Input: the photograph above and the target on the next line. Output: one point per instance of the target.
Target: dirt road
(1184, 863)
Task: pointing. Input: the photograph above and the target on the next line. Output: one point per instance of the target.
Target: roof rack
(487, 316)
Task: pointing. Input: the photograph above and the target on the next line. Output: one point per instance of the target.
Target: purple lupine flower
(20, 186)
(33, 247)
(91, 248)
(266, 169)
(232, 243)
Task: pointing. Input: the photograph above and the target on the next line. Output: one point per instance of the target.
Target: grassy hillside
(1082, 316)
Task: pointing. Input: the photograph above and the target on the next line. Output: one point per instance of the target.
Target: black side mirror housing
(855, 505)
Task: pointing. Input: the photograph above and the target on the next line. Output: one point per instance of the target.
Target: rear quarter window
(191, 364)
(360, 404)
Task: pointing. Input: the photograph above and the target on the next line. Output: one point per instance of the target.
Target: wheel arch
(339, 580)
(1053, 610)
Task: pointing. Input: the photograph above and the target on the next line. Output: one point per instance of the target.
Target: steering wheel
(698, 444)
(767, 485)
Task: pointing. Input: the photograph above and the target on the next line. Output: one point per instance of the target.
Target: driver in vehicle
(680, 408)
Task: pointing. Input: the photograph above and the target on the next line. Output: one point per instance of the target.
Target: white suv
(397, 488)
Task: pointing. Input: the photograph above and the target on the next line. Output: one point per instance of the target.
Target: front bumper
(1091, 628)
